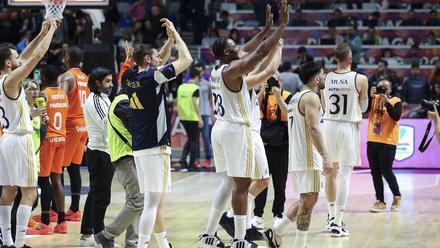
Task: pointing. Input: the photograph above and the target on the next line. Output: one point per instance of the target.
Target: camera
(380, 89)
(272, 82)
(430, 105)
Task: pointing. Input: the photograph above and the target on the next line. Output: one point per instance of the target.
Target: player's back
(57, 107)
(302, 153)
(229, 106)
(342, 97)
(78, 95)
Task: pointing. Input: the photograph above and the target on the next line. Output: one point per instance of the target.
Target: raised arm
(13, 82)
(362, 85)
(165, 51)
(27, 53)
(311, 105)
(283, 105)
(267, 68)
(184, 60)
(251, 45)
(234, 72)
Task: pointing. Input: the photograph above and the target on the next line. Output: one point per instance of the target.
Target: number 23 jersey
(230, 106)
(342, 97)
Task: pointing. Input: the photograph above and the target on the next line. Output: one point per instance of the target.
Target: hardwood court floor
(187, 208)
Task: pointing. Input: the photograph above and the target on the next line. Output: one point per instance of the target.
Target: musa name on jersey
(146, 91)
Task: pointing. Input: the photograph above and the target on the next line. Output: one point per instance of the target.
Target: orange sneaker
(61, 228)
(53, 217)
(41, 229)
(73, 216)
(32, 223)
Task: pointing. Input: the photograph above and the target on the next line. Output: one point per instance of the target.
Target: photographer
(383, 134)
(275, 137)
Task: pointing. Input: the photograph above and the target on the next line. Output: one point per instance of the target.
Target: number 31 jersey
(230, 106)
(342, 97)
(57, 106)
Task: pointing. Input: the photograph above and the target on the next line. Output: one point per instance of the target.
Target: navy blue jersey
(150, 127)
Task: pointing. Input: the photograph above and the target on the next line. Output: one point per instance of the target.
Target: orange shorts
(76, 139)
(51, 152)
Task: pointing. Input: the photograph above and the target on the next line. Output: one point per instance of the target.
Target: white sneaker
(87, 241)
(207, 241)
(329, 224)
(275, 220)
(339, 231)
(258, 222)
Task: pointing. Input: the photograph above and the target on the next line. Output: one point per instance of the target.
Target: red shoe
(41, 229)
(197, 163)
(61, 228)
(32, 223)
(52, 218)
(207, 163)
(73, 216)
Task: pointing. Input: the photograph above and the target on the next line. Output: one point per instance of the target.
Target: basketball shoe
(272, 239)
(210, 241)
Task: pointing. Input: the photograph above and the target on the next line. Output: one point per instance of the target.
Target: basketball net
(54, 8)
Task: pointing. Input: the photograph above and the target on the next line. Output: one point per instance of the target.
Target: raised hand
(171, 30)
(128, 52)
(45, 26)
(269, 18)
(284, 13)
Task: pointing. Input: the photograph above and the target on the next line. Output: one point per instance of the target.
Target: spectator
(431, 40)
(383, 135)
(224, 21)
(154, 26)
(374, 20)
(415, 88)
(252, 34)
(26, 36)
(205, 107)
(433, 20)
(387, 55)
(298, 19)
(333, 37)
(411, 19)
(371, 37)
(289, 80)
(413, 56)
(127, 38)
(234, 35)
(138, 32)
(137, 11)
(383, 73)
(213, 34)
(189, 115)
(9, 25)
(302, 56)
(355, 43)
(339, 19)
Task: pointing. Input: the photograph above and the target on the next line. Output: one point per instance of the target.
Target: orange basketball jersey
(78, 95)
(57, 106)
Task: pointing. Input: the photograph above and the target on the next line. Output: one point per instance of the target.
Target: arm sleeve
(394, 111)
(164, 74)
(122, 111)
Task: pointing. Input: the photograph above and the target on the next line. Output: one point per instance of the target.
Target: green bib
(118, 148)
(185, 106)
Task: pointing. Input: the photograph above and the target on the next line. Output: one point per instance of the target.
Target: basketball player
(232, 134)
(307, 155)
(345, 98)
(150, 130)
(74, 84)
(17, 154)
(52, 150)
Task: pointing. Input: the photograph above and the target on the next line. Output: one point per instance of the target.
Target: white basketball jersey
(15, 115)
(342, 97)
(302, 153)
(230, 106)
(255, 108)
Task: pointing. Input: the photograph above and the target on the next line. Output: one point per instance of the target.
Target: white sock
(143, 241)
(162, 239)
(240, 226)
(23, 215)
(230, 213)
(5, 225)
(331, 209)
(250, 205)
(280, 226)
(213, 220)
(300, 239)
(339, 215)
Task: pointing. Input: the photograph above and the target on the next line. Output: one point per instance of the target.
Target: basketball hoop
(54, 8)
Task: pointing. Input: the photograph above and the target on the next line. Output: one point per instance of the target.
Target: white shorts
(307, 181)
(18, 163)
(342, 140)
(233, 149)
(261, 165)
(153, 168)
